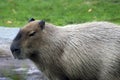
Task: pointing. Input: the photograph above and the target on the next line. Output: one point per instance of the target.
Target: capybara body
(89, 51)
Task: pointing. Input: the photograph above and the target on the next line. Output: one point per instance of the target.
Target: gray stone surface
(8, 33)
(6, 36)
(10, 68)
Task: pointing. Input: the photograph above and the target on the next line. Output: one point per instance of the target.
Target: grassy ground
(15, 13)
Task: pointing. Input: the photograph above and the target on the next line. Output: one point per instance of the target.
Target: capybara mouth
(17, 56)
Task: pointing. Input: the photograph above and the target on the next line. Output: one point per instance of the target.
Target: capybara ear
(42, 24)
(32, 19)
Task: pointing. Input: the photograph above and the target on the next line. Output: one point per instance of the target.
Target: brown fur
(89, 51)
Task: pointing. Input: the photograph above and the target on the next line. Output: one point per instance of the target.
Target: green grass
(15, 13)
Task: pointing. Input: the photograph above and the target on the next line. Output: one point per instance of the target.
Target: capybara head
(28, 39)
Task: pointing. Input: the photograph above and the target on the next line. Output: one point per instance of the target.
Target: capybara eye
(32, 33)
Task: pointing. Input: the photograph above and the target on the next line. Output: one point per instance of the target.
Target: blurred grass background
(15, 13)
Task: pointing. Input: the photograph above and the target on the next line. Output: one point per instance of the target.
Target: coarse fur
(88, 51)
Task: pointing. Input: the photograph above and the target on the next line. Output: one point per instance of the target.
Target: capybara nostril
(15, 49)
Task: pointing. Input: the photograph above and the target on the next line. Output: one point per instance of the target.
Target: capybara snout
(15, 50)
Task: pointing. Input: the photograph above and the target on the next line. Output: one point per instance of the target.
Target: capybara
(88, 51)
